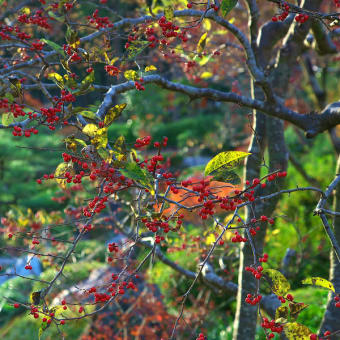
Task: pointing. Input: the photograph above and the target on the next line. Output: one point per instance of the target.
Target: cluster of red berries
(17, 131)
(201, 337)
(207, 209)
(155, 225)
(253, 300)
(256, 272)
(113, 247)
(337, 3)
(97, 205)
(112, 70)
(140, 142)
(139, 86)
(51, 114)
(285, 12)
(159, 238)
(264, 258)
(337, 301)
(67, 97)
(100, 22)
(36, 19)
(238, 238)
(37, 46)
(301, 18)
(34, 312)
(273, 326)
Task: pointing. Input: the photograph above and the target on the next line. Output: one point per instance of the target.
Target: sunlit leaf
(206, 75)
(227, 6)
(7, 118)
(228, 159)
(113, 114)
(90, 130)
(57, 79)
(60, 172)
(100, 138)
(296, 331)
(319, 281)
(169, 13)
(150, 68)
(201, 43)
(279, 284)
(130, 74)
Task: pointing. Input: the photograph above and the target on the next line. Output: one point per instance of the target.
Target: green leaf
(54, 46)
(227, 6)
(133, 171)
(72, 37)
(319, 281)
(7, 118)
(228, 160)
(296, 331)
(279, 284)
(227, 176)
(58, 18)
(88, 114)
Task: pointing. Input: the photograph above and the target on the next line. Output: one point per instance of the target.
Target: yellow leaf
(114, 113)
(319, 281)
(201, 44)
(107, 59)
(296, 308)
(60, 172)
(296, 331)
(206, 75)
(207, 25)
(57, 78)
(90, 130)
(210, 239)
(130, 75)
(169, 13)
(26, 10)
(113, 60)
(281, 313)
(100, 139)
(227, 159)
(150, 68)
(279, 284)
